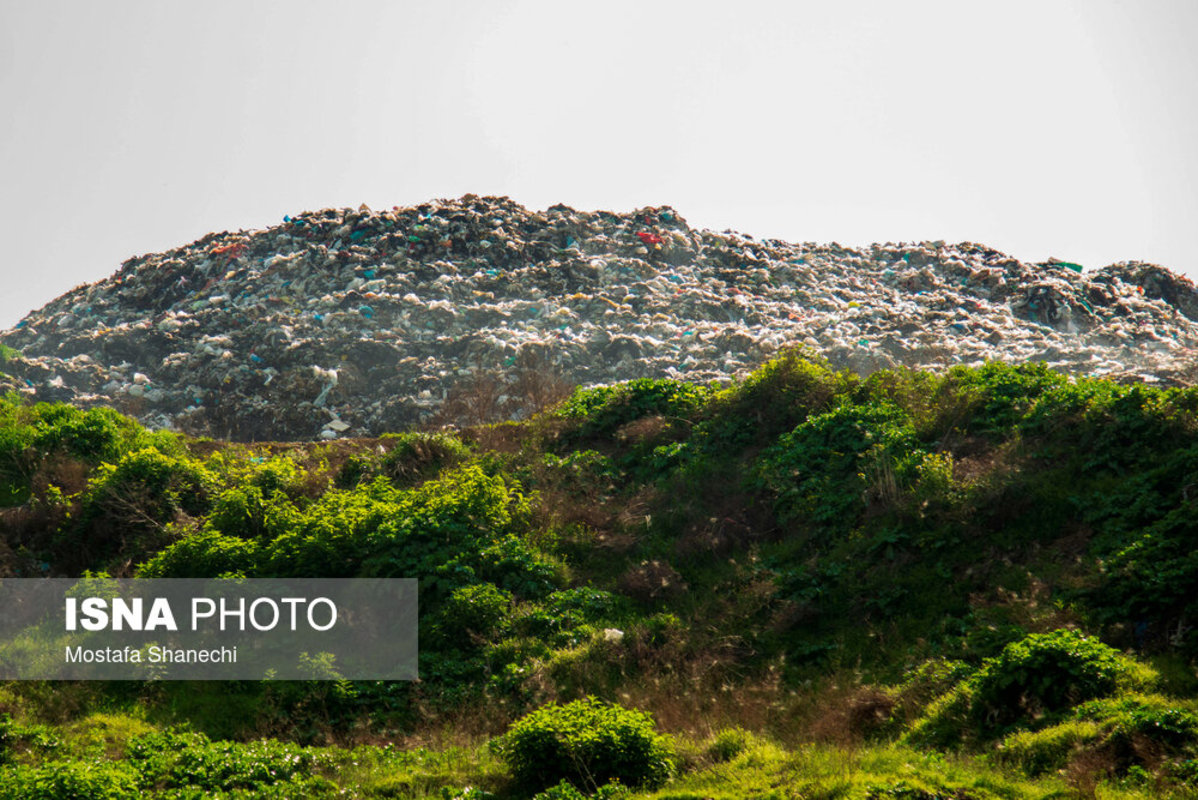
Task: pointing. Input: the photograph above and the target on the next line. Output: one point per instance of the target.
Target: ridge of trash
(352, 322)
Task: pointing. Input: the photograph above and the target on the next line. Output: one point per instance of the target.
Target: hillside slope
(971, 584)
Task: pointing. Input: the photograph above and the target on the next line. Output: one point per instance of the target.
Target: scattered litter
(371, 317)
(613, 635)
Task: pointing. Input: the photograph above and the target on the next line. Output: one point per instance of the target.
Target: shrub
(250, 512)
(1138, 717)
(93, 435)
(277, 475)
(474, 613)
(1128, 730)
(945, 722)
(355, 470)
(604, 409)
(457, 529)
(68, 780)
(205, 553)
(1008, 391)
(128, 506)
(333, 536)
(1048, 672)
(779, 395)
(567, 791)
(588, 743)
(17, 463)
(818, 470)
(567, 617)
(416, 457)
(181, 760)
(147, 486)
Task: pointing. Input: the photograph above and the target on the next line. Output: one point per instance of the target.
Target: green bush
(1138, 717)
(182, 760)
(251, 512)
(30, 434)
(1130, 730)
(206, 553)
(128, 505)
(1033, 683)
(461, 528)
(355, 470)
(94, 436)
(818, 471)
(69, 780)
(1046, 673)
(474, 613)
(8, 734)
(566, 617)
(567, 791)
(148, 486)
(18, 459)
(1007, 392)
(588, 743)
(415, 457)
(604, 409)
(776, 397)
(278, 475)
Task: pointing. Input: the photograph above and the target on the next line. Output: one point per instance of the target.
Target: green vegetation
(974, 584)
(588, 744)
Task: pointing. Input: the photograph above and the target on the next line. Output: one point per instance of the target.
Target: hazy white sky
(1053, 127)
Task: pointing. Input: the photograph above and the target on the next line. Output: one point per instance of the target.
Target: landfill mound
(346, 322)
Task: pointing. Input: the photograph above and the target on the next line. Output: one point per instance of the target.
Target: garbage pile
(347, 322)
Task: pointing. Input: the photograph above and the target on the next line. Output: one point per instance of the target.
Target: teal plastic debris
(366, 311)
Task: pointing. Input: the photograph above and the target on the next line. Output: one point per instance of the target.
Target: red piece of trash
(650, 238)
(232, 250)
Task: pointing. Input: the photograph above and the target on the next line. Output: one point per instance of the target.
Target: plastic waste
(372, 318)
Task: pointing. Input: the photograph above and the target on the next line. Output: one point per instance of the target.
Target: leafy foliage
(818, 470)
(588, 743)
(747, 545)
(68, 780)
(1045, 673)
(419, 456)
(604, 409)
